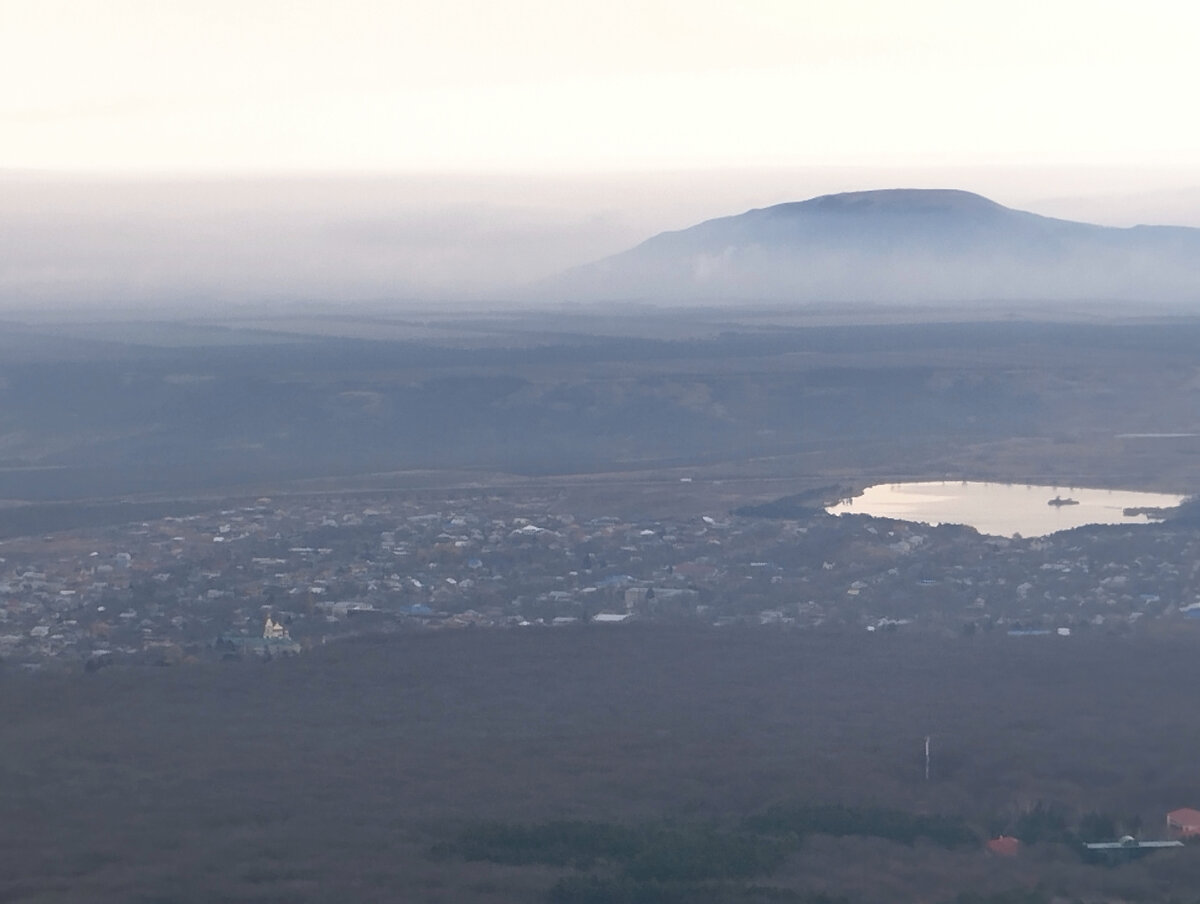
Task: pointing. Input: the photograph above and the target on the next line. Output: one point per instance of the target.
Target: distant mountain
(896, 246)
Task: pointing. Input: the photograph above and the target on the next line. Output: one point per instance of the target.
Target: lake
(1002, 509)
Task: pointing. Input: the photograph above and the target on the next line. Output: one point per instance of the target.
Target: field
(135, 412)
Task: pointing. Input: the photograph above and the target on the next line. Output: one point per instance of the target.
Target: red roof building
(1004, 846)
(1184, 822)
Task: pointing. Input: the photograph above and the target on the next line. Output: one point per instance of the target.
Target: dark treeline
(894, 825)
(679, 861)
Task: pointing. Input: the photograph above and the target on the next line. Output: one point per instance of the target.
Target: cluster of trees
(877, 822)
(684, 862)
(1055, 823)
(664, 863)
(1186, 514)
(644, 853)
(595, 890)
(799, 505)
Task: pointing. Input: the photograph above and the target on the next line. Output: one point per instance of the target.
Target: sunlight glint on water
(1003, 509)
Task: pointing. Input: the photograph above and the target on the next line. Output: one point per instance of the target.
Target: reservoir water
(1003, 509)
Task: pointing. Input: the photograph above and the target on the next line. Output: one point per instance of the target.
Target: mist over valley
(178, 247)
(898, 246)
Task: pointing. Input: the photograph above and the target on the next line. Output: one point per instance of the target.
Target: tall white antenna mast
(926, 757)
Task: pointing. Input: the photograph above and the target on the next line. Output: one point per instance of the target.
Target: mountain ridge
(896, 246)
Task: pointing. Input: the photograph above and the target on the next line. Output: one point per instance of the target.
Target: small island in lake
(1059, 501)
(1153, 512)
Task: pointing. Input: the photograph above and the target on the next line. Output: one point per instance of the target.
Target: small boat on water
(1058, 501)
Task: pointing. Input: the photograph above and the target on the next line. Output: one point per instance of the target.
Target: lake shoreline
(1004, 509)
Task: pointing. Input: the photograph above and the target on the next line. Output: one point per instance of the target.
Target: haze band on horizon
(263, 151)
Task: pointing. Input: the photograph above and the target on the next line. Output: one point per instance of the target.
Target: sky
(368, 85)
(548, 132)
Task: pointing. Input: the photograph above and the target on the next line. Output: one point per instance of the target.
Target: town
(275, 576)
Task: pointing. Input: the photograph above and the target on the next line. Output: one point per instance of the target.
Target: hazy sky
(461, 148)
(370, 85)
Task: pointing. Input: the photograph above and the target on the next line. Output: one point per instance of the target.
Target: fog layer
(164, 243)
(897, 246)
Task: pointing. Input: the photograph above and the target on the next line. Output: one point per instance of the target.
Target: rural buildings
(1184, 822)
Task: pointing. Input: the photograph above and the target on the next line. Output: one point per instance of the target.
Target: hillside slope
(896, 246)
(329, 776)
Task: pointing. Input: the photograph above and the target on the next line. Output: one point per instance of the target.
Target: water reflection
(1003, 508)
